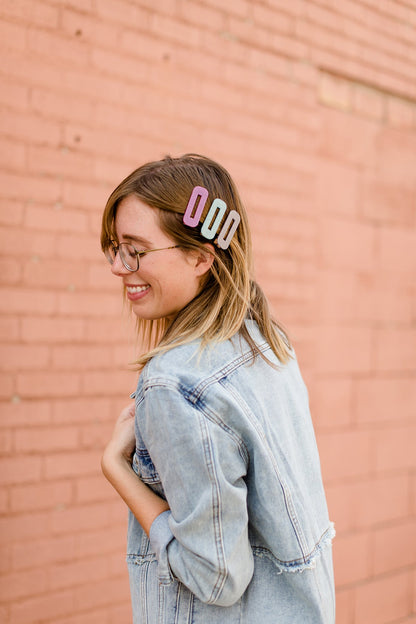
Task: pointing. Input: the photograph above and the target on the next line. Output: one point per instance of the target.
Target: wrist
(112, 461)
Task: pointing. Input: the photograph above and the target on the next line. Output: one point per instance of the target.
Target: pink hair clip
(213, 219)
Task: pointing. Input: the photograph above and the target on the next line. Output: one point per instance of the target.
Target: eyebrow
(137, 239)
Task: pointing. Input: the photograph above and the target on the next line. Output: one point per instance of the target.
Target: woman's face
(166, 281)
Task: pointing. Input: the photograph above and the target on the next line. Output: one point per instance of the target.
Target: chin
(149, 316)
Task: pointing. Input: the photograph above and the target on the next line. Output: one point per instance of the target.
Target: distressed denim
(228, 441)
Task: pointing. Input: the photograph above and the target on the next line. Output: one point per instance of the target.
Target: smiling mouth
(137, 289)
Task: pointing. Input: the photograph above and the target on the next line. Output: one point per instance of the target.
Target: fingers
(127, 412)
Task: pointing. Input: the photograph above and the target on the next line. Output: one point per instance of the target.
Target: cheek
(179, 269)
(183, 281)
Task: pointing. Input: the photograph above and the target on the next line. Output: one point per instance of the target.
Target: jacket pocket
(145, 469)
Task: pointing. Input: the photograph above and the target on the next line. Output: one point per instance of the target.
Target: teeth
(136, 289)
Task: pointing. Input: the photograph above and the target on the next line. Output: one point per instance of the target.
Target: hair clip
(213, 218)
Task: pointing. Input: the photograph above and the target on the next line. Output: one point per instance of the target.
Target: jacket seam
(216, 512)
(199, 389)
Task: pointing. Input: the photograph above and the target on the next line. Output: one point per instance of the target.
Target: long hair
(228, 295)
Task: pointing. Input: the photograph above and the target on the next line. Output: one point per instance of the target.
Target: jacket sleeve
(203, 540)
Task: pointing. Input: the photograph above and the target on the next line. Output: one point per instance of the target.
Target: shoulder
(190, 365)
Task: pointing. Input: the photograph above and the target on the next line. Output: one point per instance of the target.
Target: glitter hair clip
(213, 218)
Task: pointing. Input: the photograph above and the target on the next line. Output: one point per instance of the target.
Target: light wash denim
(228, 441)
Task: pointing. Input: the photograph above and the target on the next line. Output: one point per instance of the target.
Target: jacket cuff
(160, 537)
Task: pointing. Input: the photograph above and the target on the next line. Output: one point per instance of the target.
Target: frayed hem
(305, 563)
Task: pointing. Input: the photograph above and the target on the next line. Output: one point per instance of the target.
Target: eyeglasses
(129, 255)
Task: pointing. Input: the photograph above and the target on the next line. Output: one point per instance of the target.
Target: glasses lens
(129, 256)
(110, 253)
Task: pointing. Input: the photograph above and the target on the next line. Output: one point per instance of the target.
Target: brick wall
(311, 105)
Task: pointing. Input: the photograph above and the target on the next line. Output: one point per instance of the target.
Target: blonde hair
(228, 295)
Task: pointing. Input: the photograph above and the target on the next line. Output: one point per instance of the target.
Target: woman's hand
(123, 442)
(116, 466)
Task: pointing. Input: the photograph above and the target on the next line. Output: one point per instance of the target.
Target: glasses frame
(138, 254)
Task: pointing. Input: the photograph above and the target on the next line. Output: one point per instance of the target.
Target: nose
(118, 268)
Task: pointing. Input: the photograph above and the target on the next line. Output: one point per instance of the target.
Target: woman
(217, 459)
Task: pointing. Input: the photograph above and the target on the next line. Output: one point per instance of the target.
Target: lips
(136, 293)
(132, 290)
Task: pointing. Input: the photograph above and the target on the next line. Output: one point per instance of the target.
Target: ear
(203, 259)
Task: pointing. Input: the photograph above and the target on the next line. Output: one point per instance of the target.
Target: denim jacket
(228, 441)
